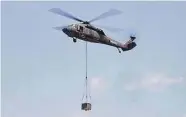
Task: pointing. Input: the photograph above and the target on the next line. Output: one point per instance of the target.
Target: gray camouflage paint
(94, 35)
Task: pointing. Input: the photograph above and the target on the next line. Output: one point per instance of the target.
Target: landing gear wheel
(74, 40)
(119, 50)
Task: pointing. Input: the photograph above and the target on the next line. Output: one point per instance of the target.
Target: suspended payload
(86, 105)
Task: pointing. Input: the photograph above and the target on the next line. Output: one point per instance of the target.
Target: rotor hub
(86, 22)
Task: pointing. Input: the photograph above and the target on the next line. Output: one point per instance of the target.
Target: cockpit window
(72, 25)
(75, 26)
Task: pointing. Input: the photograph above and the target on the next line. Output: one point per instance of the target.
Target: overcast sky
(43, 71)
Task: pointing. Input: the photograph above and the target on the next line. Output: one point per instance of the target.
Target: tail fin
(129, 44)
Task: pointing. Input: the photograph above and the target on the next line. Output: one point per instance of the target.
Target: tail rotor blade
(111, 12)
(134, 36)
(63, 13)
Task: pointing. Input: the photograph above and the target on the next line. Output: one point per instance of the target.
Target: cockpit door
(81, 28)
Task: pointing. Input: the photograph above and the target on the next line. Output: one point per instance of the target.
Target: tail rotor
(132, 37)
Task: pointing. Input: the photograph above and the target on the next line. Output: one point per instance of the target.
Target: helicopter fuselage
(89, 33)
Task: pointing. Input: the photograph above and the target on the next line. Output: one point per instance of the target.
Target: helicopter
(87, 32)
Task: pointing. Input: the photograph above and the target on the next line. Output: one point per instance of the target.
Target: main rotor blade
(111, 12)
(111, 29)
(63, 13)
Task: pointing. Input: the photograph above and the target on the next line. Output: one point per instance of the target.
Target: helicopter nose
(65, 30)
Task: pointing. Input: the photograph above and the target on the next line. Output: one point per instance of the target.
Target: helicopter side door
(81, 31)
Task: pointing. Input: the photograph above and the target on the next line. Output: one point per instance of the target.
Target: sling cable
(86, 105)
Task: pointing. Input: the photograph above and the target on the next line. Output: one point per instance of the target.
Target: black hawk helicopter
(87, 32)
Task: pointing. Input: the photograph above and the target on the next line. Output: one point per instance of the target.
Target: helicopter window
(81, 28)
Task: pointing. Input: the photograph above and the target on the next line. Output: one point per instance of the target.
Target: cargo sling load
(86, 105)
